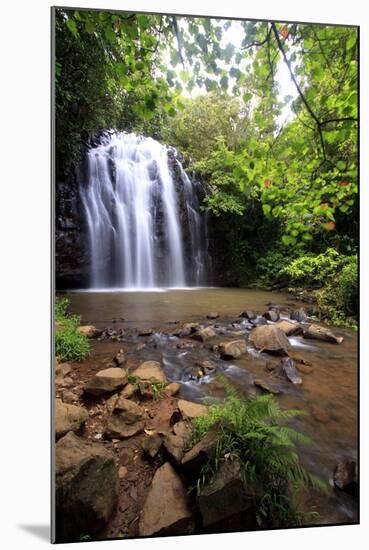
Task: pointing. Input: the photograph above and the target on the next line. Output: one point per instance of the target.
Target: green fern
(254, 433)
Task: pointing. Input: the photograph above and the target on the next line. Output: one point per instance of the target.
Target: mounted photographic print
(205, 218)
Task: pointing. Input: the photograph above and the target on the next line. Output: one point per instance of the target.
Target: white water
(133, 217)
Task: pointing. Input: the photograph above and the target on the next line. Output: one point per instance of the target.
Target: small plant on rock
(158, 389)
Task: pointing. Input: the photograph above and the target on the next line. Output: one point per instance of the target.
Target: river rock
(199, 454)
(68, 418)
(120, 358)
(122, 472)
(128, 391)
(172, 389)
(272, 315)
(85, 487)
(233, 349)
(175, 443)
(271, 339)
(316, 332)
(207, 367)
(290, 329)
(188, 409)
(145, 332)
(224, 495)
(260, 321)
(89, 330)
(107, 380)
(126, 420)
(151, 444)
(69, 397)
(203, 334)
(299, 315)
(248, 314)
(186, 330)
(212, 315)
(166, 510)
(345, 476)
(62, 370)
(262, 384)
(288, 367)
(150, 371)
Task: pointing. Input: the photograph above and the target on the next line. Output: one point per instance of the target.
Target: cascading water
(144, 224)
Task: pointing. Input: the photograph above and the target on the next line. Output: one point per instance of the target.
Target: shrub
(256, 435)
(339, 298)
(269, 267)
(331, 275)
(70, 345)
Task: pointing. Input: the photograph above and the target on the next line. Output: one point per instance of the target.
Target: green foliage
(269, 267)
(312, 271)
(204, 120)
(336, 277)
(70, 345)
(158, 389)
(254, 432)
(339, 299)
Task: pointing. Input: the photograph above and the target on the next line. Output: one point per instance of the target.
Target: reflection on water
(328, 395)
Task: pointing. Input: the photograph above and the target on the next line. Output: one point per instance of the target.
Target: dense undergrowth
(332, 277)
(255, 432)
(70, 345)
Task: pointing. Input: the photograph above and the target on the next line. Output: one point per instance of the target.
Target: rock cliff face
(72, 257)
(73, 262)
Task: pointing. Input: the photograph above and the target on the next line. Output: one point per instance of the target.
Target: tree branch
(353, 119)
(300, 92)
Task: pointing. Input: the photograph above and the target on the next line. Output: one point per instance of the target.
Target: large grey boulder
(85, 487)
(290, 329)
(224, 495)
(270, 338)
(107, 380)
(68, 418)
(316, 332)
(166, 510)
(126, 420)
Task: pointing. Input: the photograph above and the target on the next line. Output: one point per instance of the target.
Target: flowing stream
(143, 216)
(328, 395)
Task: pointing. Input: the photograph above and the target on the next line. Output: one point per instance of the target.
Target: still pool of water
(158, 307)
(328, 395)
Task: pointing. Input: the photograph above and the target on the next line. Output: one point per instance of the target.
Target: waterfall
(143, 216)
